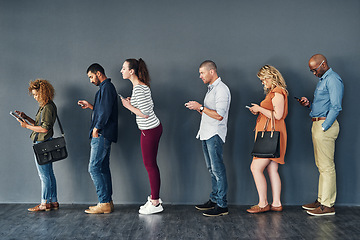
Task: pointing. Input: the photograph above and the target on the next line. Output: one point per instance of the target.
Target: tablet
(16, 116)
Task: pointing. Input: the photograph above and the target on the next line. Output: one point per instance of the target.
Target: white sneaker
(149, 202)
(151, 209)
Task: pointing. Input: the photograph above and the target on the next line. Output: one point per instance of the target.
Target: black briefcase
(51, 150)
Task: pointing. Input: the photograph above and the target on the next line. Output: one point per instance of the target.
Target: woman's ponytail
(143, 72)
(140, 70)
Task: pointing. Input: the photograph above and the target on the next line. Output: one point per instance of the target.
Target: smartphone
(297, 99)
(121, 96)
(247, 107)
(16, 116)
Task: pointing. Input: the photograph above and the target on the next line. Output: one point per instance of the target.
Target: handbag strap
(58, 120)
(272, 122)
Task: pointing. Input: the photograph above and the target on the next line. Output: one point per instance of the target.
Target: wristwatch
(201, 108)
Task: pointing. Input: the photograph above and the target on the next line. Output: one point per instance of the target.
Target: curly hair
(277, 79)
(45, 90)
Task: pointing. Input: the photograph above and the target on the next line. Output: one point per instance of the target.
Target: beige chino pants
(324, 149)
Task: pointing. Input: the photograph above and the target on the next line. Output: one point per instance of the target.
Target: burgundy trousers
(149, 142)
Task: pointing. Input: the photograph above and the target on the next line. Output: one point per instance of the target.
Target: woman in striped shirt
(142, 105)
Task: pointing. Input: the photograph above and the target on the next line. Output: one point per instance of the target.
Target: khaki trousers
(324, 149)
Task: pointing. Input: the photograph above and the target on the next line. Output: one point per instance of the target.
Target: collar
(329, 71)
(105, 81)
(211, 86)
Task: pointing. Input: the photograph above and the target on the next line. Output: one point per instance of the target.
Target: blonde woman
(42, 130)
(276, 102)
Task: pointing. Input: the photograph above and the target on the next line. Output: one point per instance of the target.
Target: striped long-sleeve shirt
(141, 99)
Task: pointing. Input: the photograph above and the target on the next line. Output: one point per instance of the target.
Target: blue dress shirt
(327, 98)
(105, 111)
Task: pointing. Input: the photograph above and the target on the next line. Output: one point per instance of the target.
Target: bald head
(318, 58)
(318, 65)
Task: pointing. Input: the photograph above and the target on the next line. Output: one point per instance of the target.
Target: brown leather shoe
(311, 206)
(322, 211)
(111, 204)
(54, 205)
(257, 209)
(41, 207)
(276, 209)
(100, 208)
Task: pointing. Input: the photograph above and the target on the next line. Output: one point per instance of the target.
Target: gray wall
(58, 40)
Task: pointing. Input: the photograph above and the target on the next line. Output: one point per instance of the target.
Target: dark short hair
(95, 67)
(209, 64)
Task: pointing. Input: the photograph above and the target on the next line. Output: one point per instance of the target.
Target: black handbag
(51, 150)
(267, 143)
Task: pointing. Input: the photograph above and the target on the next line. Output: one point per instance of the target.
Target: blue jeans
(213, 152)
(99, 168)
(48, 182)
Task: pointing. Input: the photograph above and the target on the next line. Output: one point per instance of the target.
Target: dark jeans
(213, 152)
(99, 168)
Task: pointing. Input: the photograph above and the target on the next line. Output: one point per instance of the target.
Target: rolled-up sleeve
(48, 117)
(222, 101)
(336, 92)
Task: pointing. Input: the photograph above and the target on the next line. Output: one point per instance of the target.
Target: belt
(318, 118)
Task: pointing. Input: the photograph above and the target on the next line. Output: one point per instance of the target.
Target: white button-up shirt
(217, 98)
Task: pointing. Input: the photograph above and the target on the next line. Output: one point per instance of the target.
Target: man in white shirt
(212, 133)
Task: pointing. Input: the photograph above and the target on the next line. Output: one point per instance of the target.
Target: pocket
(99, 135)
(95, 140)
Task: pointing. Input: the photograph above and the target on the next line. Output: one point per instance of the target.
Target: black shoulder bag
(267, 143)
(51, 150)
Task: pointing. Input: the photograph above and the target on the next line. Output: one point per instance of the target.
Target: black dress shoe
(206, 206)
(217, 211)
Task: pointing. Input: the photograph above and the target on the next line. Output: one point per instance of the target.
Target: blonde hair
(277, 79)
(45, 90)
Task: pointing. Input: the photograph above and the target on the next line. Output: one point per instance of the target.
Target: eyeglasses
(314, 70)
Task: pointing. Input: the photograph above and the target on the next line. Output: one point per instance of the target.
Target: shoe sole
(88, 212)
(321, 214)
(45, 210)
(220, 214)
(261, 212)
(204, 209)
(308, 208)
(151, 212)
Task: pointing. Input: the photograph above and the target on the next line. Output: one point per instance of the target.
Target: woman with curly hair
(42, 130)
(275, 103)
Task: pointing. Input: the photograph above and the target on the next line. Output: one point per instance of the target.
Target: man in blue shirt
(212, 133)
(325, 129)
(103, 131)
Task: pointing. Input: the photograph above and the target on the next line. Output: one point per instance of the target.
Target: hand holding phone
(303, 101)
(81, 103)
